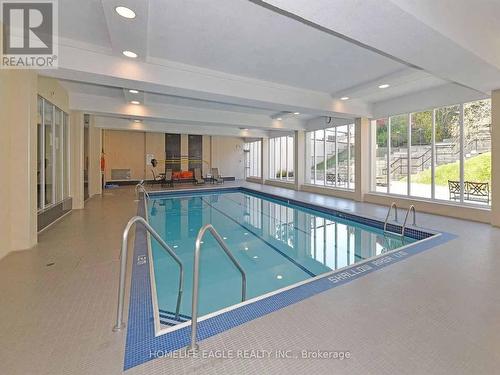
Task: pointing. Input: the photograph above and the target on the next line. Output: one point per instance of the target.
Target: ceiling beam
(181, 114)
(111, 123)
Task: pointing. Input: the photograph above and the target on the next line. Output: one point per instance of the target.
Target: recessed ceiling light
(224, 238)
(279, 119)
(137, 120)
(130, 54)
(135, 102)
(125, 12)
(344, 98)
(246, 248)
(255, 257)
(176, 246)
(133, 91)
(296, 113)
(279, 277)
(384, 86)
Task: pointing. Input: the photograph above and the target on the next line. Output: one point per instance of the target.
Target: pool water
(277, 245)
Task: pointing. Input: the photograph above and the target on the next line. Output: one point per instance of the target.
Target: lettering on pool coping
(141, 259)
(376, 263)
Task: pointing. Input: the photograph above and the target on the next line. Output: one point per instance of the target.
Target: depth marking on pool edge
(141, 340)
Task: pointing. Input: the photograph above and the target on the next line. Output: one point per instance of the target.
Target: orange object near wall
(182, 175)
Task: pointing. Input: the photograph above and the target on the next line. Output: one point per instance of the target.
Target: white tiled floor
(437, 312)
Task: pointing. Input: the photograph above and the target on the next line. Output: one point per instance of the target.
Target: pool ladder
(410, 209)
(140, 187)
(193, 347)
(120, 324)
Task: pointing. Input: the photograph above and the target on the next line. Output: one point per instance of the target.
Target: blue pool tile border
(142, 345)
(414, 233)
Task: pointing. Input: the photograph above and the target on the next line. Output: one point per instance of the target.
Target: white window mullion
(389, 137)
(433, 155)
(462, 153)
(348, 156)
(314, 156)
(335, 178)
(287, 158)
(408, 164)
(324, 158)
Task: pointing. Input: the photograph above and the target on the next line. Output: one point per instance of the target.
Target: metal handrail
(196, 271)
(141, 187)
(120, 324)
(412, 208)
(389, 213)
(141, 183)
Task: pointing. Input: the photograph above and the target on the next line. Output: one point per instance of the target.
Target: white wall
(227, 155)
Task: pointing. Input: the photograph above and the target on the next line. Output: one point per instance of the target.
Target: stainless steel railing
(411, 209)
(393, 205)
(120, 324)
(196, 271)
(140, 186)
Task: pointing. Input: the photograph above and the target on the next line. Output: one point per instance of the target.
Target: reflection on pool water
(277, 244)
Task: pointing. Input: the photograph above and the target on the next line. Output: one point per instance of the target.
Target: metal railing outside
(120, 324)
(196, 271)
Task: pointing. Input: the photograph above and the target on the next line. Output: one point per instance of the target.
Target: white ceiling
(472, 24)
(239, 62)
(239, 37)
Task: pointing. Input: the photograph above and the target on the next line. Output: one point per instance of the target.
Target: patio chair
(216, 176)
(169, 180)
(198, 180)
(158, 178)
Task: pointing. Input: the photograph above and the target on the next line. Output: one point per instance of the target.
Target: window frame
(63, 181)
(461, 142)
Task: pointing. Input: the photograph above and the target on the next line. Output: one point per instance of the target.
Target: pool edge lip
(141, 340)
(159, 331)
(326, 210)
(328, 274)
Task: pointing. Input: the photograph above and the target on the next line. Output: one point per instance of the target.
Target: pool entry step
(167, 318)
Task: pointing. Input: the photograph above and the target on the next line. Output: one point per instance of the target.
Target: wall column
(299, 156)
(18, 161)
(95, 149)
(495, 158)
(76, 124)
(265, 159)
(362, 161)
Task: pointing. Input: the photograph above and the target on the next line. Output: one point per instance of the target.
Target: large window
(281, 160)
(52, 155)
(330, 157)
(253, 154)
(443, 153)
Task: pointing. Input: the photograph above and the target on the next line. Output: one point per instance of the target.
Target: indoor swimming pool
(276, 242)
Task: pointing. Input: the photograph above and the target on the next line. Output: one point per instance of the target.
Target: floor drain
(50, 264)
